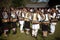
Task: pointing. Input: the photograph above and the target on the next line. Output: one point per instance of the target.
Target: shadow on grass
(3, 38)
(57, 38)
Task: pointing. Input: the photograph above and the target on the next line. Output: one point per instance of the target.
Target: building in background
(40, 0)
(38, 3)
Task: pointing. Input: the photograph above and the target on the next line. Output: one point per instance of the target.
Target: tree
(17, 3)
(14, 3)
(5, 3)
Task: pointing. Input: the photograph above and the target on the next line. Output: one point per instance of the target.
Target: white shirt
(46, 17)
(23, 15)
(5, 15)
(59, 11)
(54, 15)
(13, 15)
(39, 17)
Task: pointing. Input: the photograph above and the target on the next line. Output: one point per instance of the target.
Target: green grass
(23, 36)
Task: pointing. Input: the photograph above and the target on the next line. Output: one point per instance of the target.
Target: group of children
(30, 20)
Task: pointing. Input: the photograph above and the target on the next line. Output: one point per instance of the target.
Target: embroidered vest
(35, 18)
(27, 16)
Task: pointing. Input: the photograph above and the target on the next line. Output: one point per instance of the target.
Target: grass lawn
(23, 36)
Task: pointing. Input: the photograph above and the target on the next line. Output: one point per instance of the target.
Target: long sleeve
(39, 18)
(54, 15)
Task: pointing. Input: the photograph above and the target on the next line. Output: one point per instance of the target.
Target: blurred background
(33, 4)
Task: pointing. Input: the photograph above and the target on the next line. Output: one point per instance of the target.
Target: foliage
(17, 3)
(14, 3)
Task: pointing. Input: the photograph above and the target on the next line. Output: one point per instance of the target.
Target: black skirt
(44, 27)
(27, 24)
(5, 26)
(13, 24)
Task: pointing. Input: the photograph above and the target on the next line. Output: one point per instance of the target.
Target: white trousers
(52, 27)
(21, 25)
(35, 28)
(14, 29)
